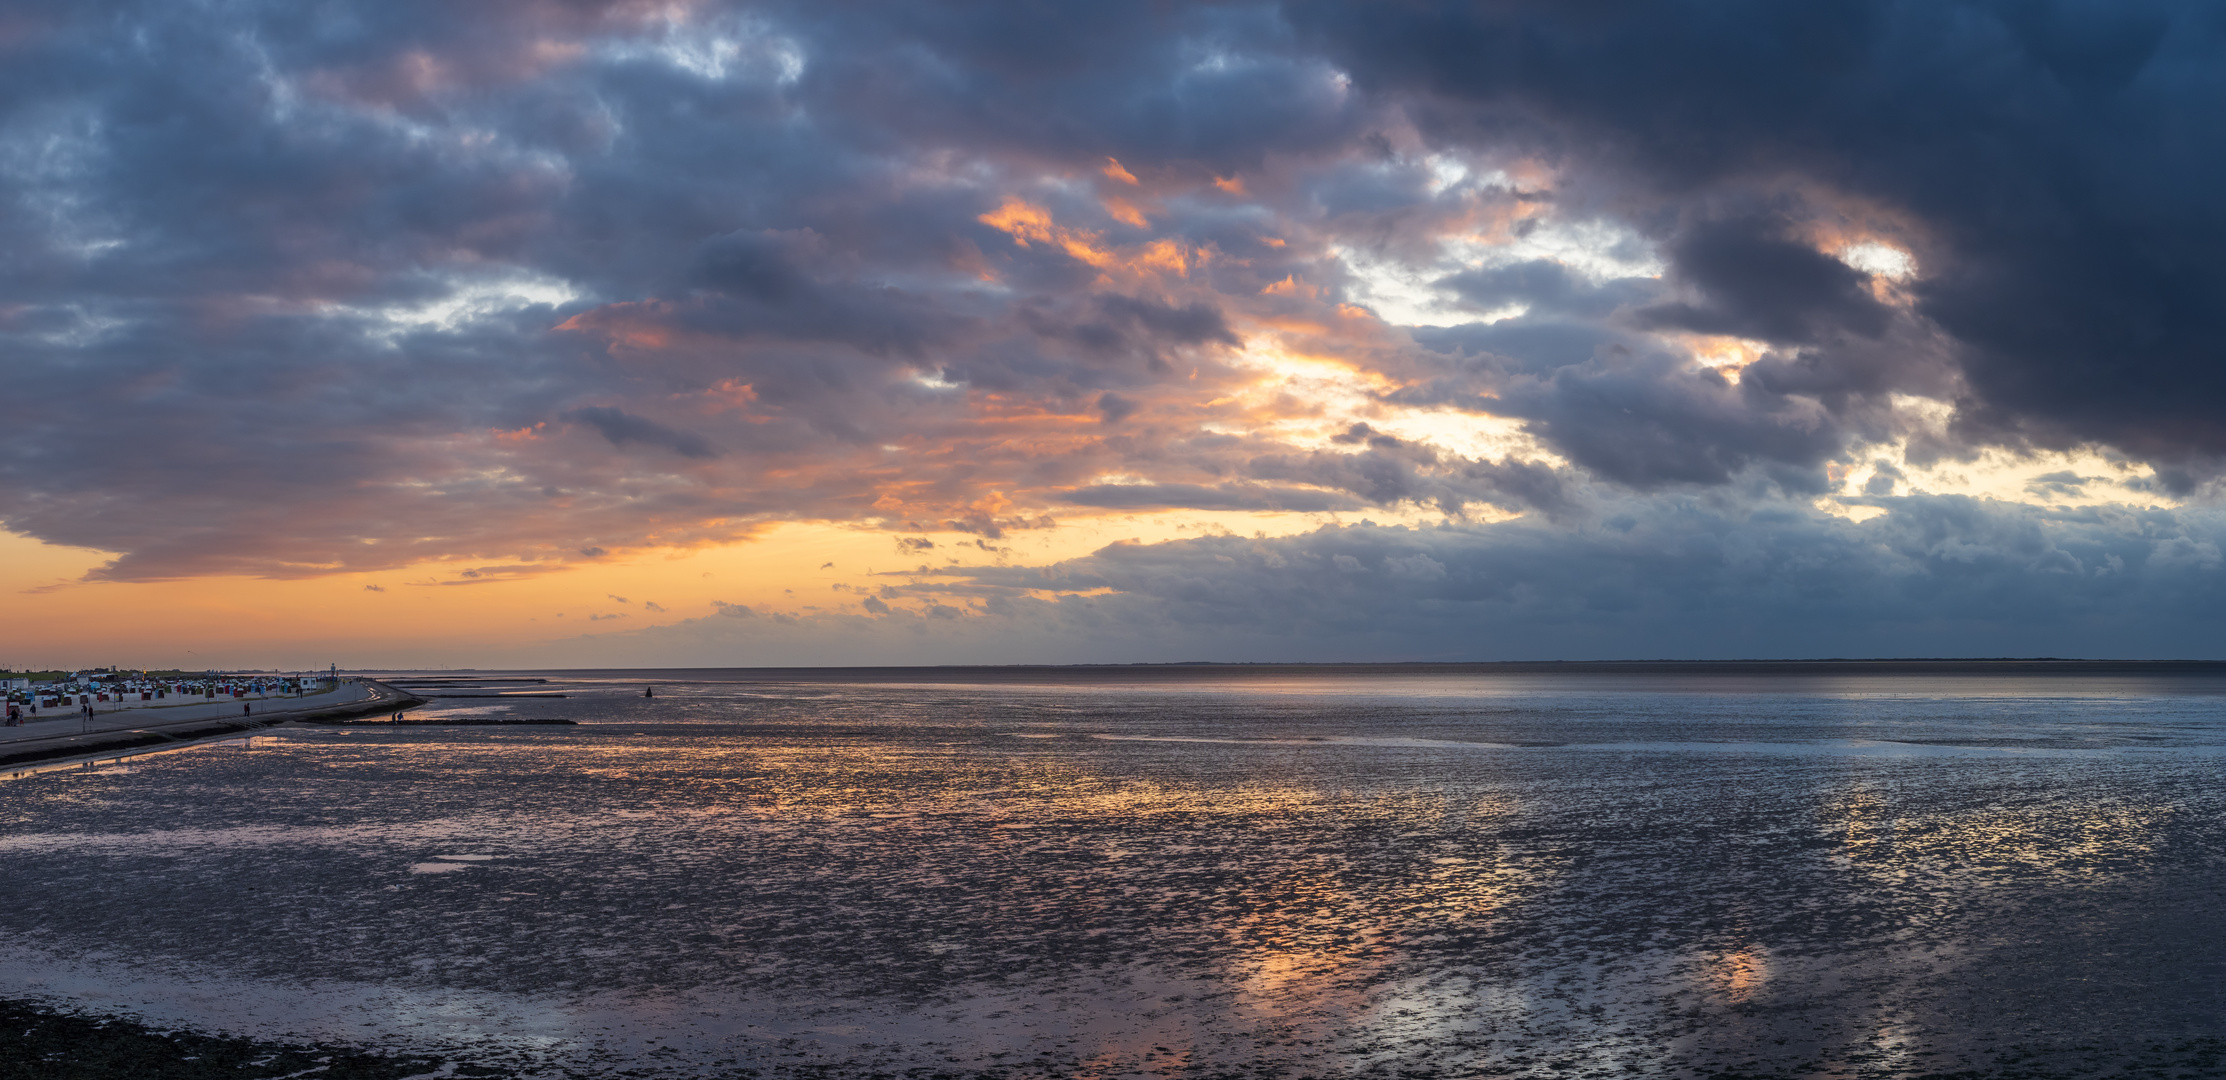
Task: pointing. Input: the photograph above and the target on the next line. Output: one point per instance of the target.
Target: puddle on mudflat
(1359, 876)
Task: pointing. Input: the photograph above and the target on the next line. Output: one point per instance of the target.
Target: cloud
(621, 429)
(1682, 579)
(1758, 282)
(492, 575)
(1115, 408)
(1391, 471)
(2074, 243)
(1218, 497)
(525, 287)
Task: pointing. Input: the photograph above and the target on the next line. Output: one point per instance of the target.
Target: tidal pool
(1292, 876)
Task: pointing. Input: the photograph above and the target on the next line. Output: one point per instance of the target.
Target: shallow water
(1298, 876)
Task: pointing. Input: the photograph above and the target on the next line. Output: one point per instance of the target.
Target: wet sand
(1318, 877)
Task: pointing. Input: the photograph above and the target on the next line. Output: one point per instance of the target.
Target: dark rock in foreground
(39, 1042)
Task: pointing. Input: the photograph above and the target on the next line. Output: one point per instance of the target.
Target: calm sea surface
(1299, 876)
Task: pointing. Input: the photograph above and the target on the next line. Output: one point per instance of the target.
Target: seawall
(61, 748)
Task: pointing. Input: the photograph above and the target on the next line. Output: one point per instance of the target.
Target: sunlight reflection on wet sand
(882, 878)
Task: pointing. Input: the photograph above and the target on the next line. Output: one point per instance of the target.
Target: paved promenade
(65, 720)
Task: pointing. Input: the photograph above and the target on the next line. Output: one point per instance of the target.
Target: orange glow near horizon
(428, 614)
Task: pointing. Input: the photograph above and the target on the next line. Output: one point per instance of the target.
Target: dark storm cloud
(1760, 284)
(2052, 163)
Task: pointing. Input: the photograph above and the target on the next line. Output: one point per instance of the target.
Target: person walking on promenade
(247, 710)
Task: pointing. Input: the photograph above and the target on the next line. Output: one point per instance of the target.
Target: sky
(572, 333)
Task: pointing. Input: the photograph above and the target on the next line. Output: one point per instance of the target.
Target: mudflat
(1311, 874)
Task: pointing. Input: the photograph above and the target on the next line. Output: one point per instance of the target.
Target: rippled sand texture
(1427, 876)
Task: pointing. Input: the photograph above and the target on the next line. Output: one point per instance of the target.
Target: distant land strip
(483, 697)
(2001, 666)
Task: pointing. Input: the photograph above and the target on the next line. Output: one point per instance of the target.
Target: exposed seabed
(1341, 878)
